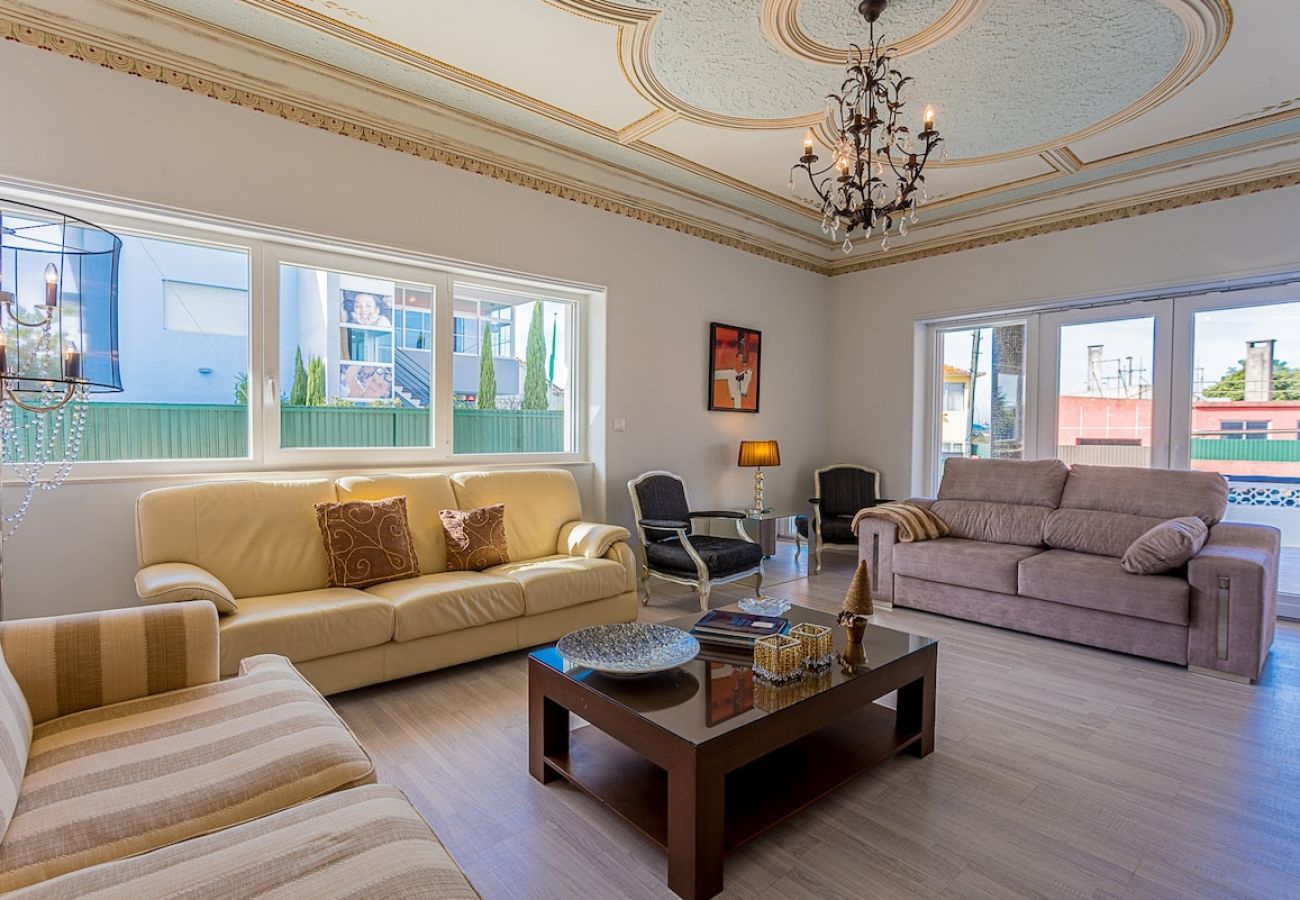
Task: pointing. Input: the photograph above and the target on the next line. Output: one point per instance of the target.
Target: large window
(983, 392)
(512, 381)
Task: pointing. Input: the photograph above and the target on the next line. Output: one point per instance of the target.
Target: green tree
(298, 392)
(241, 388)
(1232, 386)
(535, 393)
(315, 388)
(487, 371)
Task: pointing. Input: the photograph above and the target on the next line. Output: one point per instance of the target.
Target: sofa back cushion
(257, 537)
(15, 743)
(1020, 482)
(426, 496)
(537, 501)
(1106, 508)
(998, 523)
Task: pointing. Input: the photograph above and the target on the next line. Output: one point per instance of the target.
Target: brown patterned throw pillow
(367, 542)
(476, 538)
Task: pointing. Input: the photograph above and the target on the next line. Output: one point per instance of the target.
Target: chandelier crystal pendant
(874, 180)
(58, 343)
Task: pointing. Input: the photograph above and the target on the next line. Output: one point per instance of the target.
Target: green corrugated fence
(1251, 451)
(117, 431)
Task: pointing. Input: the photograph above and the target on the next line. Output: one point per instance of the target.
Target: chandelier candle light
(871, 147)
(58, 342)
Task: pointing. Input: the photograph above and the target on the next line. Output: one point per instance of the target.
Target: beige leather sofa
(254, 547)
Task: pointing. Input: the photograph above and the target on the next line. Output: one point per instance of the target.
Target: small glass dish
(764, 606)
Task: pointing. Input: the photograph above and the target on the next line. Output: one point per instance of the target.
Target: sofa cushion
(304, 625)
(425, 495)
(1024, 482)
(119, 780)
(365, 842)
(15, 742)
(476, 538)
(1100, 583)
(1165, 547)
(538, 502)
(998, 523)
(367, 541)
(255, 537)
(559, 581)
(1095, 531)
(449, 601)
(977, 564)
(1157, 493)
(722, 556)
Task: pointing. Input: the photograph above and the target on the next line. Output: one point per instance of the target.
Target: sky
(1219, 344)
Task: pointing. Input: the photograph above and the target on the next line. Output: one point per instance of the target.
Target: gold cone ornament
(857, 604)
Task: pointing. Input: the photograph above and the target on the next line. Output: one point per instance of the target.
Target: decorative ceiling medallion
(785, 27)
(1010, 79)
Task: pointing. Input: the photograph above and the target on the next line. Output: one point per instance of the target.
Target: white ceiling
(695, 109)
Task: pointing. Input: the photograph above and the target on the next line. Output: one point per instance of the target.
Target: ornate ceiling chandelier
(870, 147)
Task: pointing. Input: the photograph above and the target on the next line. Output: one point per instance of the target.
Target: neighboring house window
(462, 335)
(954, 396)
(1251, 430)
(416, 326)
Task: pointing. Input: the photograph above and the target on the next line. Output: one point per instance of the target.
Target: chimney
(1094, 370)
(1259, 370)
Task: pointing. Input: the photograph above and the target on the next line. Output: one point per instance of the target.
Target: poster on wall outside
(365, 381)
(734, 367)
(366, 309)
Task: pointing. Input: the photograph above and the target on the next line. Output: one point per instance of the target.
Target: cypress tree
(487, 371)
(298, 392)
(315, 388)
(535, 362)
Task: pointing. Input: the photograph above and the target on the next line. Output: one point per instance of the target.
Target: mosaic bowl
(629, 649)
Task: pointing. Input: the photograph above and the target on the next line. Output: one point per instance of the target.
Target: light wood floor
(1059, 771)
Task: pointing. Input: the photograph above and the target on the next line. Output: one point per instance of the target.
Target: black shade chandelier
(870, 148)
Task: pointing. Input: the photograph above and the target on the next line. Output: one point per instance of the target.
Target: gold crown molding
(73, 48)
(1123, 209)
(646, 125)
(782, 27)
(1062, 159)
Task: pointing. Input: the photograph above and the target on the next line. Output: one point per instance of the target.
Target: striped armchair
(117, 738)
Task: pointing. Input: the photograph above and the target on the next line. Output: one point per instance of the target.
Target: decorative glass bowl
(629, 649)
(764, 606)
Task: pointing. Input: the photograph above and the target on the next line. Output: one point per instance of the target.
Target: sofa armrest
(621, 553)
(1233, 610)
(175, 582)
(590, 539)
(65, 664)
(876, 540)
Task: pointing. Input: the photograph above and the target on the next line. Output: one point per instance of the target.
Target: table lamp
(756, 454)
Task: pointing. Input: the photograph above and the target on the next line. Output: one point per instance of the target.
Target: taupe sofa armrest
(1234, 599)
(876, 540)
(176, 582)
(65, 664)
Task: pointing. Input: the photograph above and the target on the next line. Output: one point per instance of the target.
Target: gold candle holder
(817, 644)
(778, 658)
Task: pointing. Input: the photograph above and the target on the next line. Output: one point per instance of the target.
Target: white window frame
(266, 249)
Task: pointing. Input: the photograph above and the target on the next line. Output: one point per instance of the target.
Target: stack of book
(736, 630)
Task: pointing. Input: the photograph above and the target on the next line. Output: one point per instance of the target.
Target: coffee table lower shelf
(758, 795)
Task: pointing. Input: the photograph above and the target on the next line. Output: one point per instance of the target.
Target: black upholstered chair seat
(722, 556)
(835, 529)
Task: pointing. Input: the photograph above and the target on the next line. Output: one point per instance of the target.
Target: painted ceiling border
(586, 195)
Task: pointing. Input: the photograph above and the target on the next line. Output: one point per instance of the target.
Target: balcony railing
(141, 431)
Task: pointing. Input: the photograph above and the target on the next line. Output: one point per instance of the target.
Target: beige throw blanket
(915, 523)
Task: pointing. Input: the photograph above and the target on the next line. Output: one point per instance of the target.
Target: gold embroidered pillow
(476, 538)
(367, 542)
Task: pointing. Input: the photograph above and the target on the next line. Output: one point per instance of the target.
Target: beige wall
(874, 313)
(151, 143)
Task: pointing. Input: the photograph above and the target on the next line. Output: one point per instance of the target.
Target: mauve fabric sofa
(1035, 546)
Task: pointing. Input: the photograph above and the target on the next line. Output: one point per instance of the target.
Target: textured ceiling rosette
(1008, 77)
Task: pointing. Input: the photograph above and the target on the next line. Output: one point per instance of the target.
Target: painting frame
(730, 389)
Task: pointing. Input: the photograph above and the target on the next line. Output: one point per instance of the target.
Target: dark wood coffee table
(703, 759)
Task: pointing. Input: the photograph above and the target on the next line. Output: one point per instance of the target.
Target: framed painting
(734, 358)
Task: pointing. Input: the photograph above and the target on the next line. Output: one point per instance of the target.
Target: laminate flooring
(1059, 771)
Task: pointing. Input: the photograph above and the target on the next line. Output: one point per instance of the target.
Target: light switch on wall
(620, 424)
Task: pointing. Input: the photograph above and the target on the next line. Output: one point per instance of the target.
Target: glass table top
(716, 693)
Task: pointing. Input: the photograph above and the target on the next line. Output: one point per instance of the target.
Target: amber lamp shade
(759, 453)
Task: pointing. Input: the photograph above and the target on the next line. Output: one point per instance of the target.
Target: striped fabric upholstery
(15, 742)
(915, 523)
(111, 782)
(66, 664)
(362, 844)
